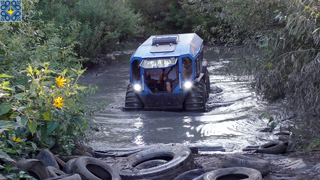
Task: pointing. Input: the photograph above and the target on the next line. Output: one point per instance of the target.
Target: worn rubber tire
(66, 177)
(233, 173)
(150, 164)
(68, 167)
(193, 173)
(196, 99)
(54, 172)
(132, 101)
(94, 169)
(179, 159)
(48, 158)
(234, 160)
(272, 148)
(34, 167)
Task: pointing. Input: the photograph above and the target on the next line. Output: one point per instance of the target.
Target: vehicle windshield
(158, 63)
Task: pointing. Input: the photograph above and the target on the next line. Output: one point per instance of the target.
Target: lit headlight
(187, 85)
(137, 87)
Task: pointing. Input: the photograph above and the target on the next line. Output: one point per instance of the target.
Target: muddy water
(231, 120)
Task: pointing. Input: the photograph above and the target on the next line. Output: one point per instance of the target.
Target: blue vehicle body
(179, 57)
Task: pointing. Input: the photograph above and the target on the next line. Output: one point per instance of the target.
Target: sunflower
(58, 102)
(61, 81)
(16, 139)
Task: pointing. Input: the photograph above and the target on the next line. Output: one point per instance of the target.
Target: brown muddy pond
(231, 121)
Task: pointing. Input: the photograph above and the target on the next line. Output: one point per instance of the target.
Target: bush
(41, 103)
(103, 24)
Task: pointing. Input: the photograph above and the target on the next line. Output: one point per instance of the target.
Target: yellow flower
(61, 81)
(16, 139)
(58, 102)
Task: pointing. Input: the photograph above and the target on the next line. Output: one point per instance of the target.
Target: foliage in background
(165, 17)
(102, 23)
(283, 37)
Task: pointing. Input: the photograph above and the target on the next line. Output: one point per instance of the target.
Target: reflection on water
(231, 121)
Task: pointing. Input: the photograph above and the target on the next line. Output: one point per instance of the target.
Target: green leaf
(21, 87)
(51, 126)
(9, 150)
(47, 116)
(64, 72)
(19, 96)
(5, 107)
(5, 76)
(69, 102)
(32, 126)
(4, 156)
(24, 119)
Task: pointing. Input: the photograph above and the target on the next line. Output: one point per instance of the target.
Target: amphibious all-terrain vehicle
(168, 72)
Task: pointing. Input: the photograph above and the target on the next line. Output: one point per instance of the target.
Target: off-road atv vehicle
(168, 72)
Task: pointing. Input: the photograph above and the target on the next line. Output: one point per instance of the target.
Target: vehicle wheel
(195, 100)
(94, 169)
(272, 148)
(207, 82)
(179, 159)
(132, 101)
(66, 177)
(34, 167)
(233, 173)
(245, 161)
(54, 172)
(48, 158)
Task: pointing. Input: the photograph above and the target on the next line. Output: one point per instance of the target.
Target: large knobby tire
(277, 147)
(233, 173)
(34, 167)
(179, 159)
(207, 82)
(196, 99)
(233, 160)
(132, 101)
(94, 169)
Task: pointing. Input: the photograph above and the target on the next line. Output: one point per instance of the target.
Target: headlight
(187, 85)
(137, 87)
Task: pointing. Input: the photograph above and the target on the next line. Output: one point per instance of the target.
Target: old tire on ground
(150, 164)
(66, 177)
(132, 101)
(94, 169)
(233, 160)
(193, 173)
(48, 158)
(34, 167)
(179, 159)
(54, 172)
(276, 147)
(68, 167)
(196, 99)
(233, 173)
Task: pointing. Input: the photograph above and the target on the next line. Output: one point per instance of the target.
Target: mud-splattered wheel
(133, 102)
(196, 99)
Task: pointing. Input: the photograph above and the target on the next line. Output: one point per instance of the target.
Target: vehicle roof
(189, 43)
